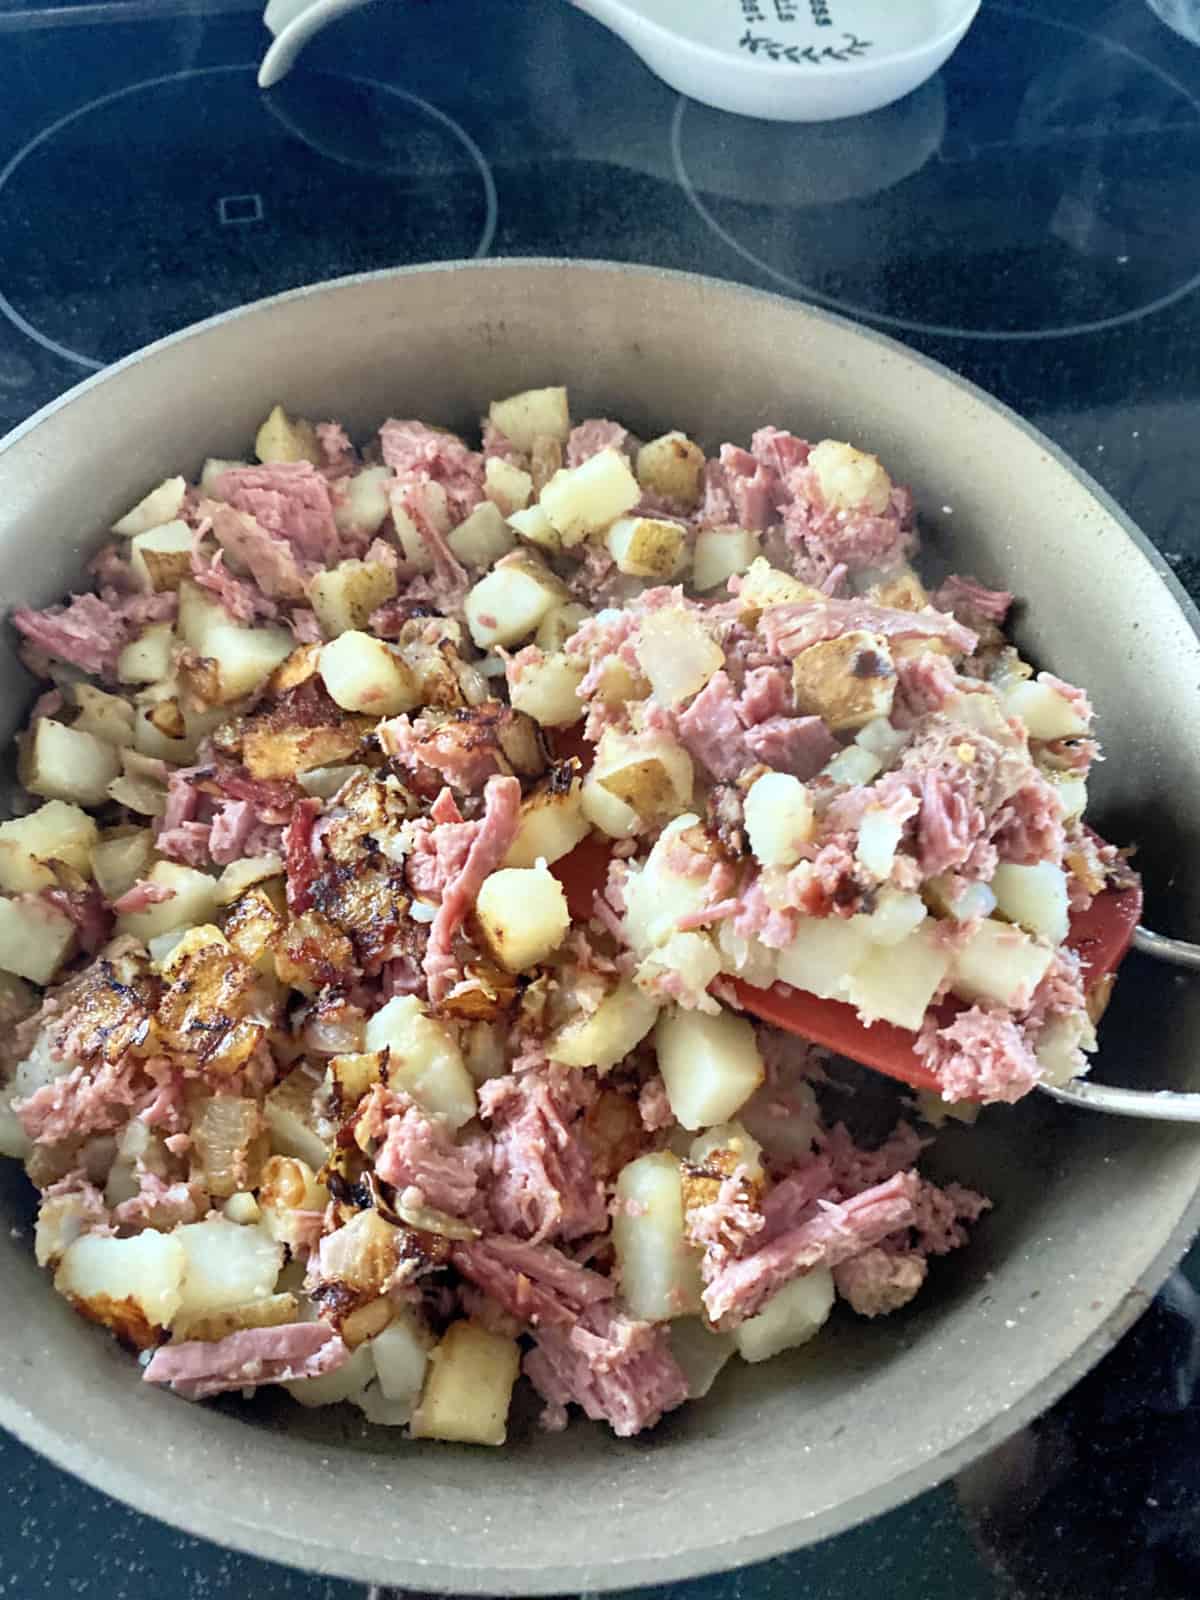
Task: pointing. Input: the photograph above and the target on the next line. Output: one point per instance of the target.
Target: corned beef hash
(320, 1081)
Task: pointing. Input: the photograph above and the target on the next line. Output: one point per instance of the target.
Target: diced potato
(657, 896)
(349, 1076)
(292, 1119)
(147, 658)
(853, 765)
(346, 1382)
(583, 500)
(954, 897)
(546, 690)
(35, 938)
(324, 782)
(677, 653)
(791, 1317)
(764, 585)
(241, 875)
(879, 835)
(118, 862)
(243, 658)
(193, 901)
(506, 485)
(897, 913)
(1045, 711)
(701, 1352)
(1072, 793)
(1000, 965)
(271, 1312)
(1035, 897)
(901, 589)
(363, 674)
(225, 1265)
(159, 506)
(672, 465)
(361, 502)
(720, 553)
(658, 1271)
(881, 739)
(687, 962)
(424, 1060)
(469, 1387)
(848, 681)
(522, 417)
(284, 438)
(54, 832)
(559, 625)
(244, 1209)
(62, 764)
(401, 1355)
(822, 955)
(288, 1186)
(1061, 1046)
(896, 983)
(710, 1065)
(162, 557)
(344, 596)
(522, 915)
(779, 819)
(133, 1286)
(606, 1035)
(746, 958)
(730, 1146)
(483, 1047)
(649, 772)
(850, 479)
(647, 547)
(603, 810)
(552, 823)
(508, 603)
(483, 537)
(618, 683)
(214, 469)
(535, 527)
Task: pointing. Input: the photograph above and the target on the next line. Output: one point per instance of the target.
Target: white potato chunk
(243, 874)
(849, 681)
(60, 763)
(853, 765)
(650, 773)
(647, 547)
(193, 902)
(603, 810)
(584, 500)
(522, 417)
(225, 1265)
(850, 479)
(722, 553)
(683, 966)
(507, 486)
(764, 585)
(964, 901)
(657, 896)
(879, 834)
(658, 1271)
(346, 1382)
(897, 913)
(677, 653)
(162, 557)
(895, 983)
(344, 596)
(160, 505)
(546, 689)
(1061, 1047)
(361, 503)
(710, 1065)
(132, 1285)
(363, 674)
(214, 469)
(999, 964)
(423, 1059)
(728, 1138)
(482, 537)
(118, 862)
(507, 604)
(35, 938)
(401, 1356)
(147, 658)
(552, 823)
(282, 438)
(291, 1117)
(701, 1352)
(1072, 793)
(106, 716)
(522, 915)
(823, 954)
(746, 958)
(559, 625)
(469, 1387)
(54, 832)
(1035, 897)
(606, 1035)
(672, 465)
(535, 528)
(779, 819)
(244, 657)
(1046, 712)
(791, 1317)
(881, 739)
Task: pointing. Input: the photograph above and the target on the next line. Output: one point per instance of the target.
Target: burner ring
(45, 135)
(906, 324)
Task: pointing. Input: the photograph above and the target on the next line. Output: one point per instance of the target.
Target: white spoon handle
(295, 28)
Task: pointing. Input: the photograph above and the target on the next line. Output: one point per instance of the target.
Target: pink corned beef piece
(338, 454)
(497, 445)
(879, 1281)
(417, 454)
(971, 602)
(421, 742)
(496, 832)
(274, 565)
(199, 1368)
(187, 843)
(982, 1055)
(89, 632)
(420, 1152)
(289, 499)
(439, 851)
(87, 910)
(536, 1283)
(797, 745)
(84, 1102)
(142, 896)
(159, 1204)
(832, 1234)
(619, 1371)
(941, 1213)
(244, 601)
(592, 436)
(422, 503)
(727, 1225)
(782, 452)
(543, 1184)
(767, 692)
(711, 729)
(790, 628)
(299, 854)
(821, 536)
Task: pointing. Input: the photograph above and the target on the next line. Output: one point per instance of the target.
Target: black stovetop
(1031, 218)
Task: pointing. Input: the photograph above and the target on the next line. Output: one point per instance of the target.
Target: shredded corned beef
(618, 1370)
(543, 1183)
(419, 1151)
(493, 836)
(788, 629)
(418, 454)
(535, 1283)
(972, 603)
(199, 1368)
(290, 500)
(981, 1055)
(275, 566)
(299, 854)
(90, 633)
(594, 435)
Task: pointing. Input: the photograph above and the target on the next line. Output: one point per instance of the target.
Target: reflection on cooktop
(1034, 188)
(178, 197)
